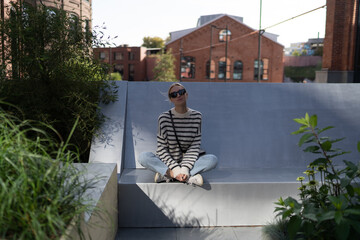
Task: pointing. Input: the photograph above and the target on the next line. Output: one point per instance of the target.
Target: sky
(132, 20)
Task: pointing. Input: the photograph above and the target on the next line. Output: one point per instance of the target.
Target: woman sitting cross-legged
(178, 143)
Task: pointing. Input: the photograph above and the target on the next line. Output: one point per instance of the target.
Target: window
(256, 69)
(131, 72)
(102, 55)
(131, 56)
(188, 67)
(224, 69)
(222, 35)
(119, 68)
(238, 70)
(264, 73)
(118, 56)
(266, 69)
(210, 74)
(221, 73)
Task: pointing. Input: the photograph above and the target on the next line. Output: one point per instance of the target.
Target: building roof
(207, 19)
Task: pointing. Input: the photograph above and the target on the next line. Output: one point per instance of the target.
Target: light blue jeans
(150, 161)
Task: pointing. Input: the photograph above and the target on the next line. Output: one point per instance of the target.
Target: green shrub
(50, 74)
(329, 205)
(115, 76)
(40, 193)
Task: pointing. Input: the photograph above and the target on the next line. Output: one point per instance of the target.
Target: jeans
(150, 161)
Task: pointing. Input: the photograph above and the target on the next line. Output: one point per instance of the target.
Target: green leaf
(301, 121)
(319, 161)
(358, 146)
(352, 211)
(327, 216)
(304, 138)
(342, 230)
(294, 226)
(302, 129)
(345, 181)
(338, 217)
(324, 129)
(337, 140)
(313, 121)
(307, 118)
(355, 225)
(326, 146)
(311, 216)
(350, 190)
(312, 149)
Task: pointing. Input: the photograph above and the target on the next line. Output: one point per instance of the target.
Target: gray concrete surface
(218, 233)
(247, 125)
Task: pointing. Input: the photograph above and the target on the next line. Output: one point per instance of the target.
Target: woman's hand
(182, 177)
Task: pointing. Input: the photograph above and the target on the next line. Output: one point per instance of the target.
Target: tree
(49, 73)
(295, 53)
(153, 42)
(164, 69)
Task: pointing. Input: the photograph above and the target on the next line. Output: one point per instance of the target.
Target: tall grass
(40, 190)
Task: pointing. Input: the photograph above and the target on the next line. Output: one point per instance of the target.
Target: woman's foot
(196, 180)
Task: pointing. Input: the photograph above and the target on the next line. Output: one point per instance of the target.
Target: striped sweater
(188, 130)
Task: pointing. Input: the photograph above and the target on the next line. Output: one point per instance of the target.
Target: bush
(329, 207)
(40, 194)
(48, 71)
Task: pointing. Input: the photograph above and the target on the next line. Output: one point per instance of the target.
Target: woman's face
(178, 100)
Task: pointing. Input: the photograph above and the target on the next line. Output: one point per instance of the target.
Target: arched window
(222, 35)
(238, 70)
(264, 72)
(224, 69)
(210, 73)
(188, 67)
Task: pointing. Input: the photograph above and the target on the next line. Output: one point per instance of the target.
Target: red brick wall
(243, 46)
(138, 61)
(340, 36)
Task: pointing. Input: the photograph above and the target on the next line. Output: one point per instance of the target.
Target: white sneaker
(161, 178)
(196, 180)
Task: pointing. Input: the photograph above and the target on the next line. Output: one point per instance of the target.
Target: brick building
(229, 39)
(79, 8)
(341, 57)
(133, 63)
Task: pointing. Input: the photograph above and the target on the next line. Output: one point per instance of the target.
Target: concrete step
(229, 197)
(223, 233)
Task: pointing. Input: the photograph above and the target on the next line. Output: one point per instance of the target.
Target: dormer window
(222, 35)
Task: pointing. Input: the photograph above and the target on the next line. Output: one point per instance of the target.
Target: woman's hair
(173, 85)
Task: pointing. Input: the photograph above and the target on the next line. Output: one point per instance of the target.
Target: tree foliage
(48, 71)
(153, 42)
(164, 69)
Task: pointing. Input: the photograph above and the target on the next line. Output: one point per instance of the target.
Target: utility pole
(211, 34)
(259, 45)
(181, 53)
(226, 47)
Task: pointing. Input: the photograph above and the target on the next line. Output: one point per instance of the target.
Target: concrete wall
(246, 125)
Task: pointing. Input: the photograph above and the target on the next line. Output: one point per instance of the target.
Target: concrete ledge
(229, 197)
(102, 222)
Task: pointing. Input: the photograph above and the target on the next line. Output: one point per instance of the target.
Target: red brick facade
(242, 49)
(130, 62)
(341, 53)
(340, 39)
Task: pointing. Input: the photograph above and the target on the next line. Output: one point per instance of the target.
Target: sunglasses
(175, 94)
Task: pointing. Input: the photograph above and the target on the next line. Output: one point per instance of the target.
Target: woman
(178, 143)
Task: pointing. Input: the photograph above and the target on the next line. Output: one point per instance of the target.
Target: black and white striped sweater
(188, 129)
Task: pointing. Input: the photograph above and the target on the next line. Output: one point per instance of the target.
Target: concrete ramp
(247, 125)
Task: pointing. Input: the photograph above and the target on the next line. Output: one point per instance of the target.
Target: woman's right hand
(181, 177)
